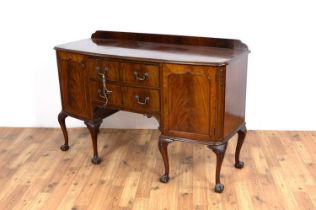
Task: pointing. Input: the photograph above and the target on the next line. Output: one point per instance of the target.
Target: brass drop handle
(104, 92)
(145, 76)
(139, 100)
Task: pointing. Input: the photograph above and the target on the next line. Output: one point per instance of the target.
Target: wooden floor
(280, 172)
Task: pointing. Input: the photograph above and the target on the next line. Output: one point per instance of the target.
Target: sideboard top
(156, 47)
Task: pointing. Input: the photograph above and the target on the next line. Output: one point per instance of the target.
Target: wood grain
(279, 172)
(109, 68)
(189, 101)
(128, 71)
(72, 78)
(114, 98)
(130, 102)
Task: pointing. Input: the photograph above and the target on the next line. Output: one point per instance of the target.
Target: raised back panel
(171, 39)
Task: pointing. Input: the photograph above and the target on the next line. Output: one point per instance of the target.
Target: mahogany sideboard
(194, 86)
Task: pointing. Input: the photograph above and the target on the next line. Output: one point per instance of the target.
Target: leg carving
(219, 150)
(93, 127)
(241, 137)
(61, 119)
(163, 148)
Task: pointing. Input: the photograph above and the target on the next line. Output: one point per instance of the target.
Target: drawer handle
(139, 100)
(104, 92)
(145, 76)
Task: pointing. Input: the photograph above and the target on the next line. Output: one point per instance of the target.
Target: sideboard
(194, 86)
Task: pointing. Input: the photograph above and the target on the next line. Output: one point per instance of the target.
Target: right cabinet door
(190, 101)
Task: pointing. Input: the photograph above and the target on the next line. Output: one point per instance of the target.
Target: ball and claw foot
(239, 164)
(164, 178)
(64, 147)
(96, 160)
(219, 188)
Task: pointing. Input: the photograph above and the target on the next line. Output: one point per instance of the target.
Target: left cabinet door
(72, 80)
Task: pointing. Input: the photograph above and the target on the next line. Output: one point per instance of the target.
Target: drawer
(114, 98)
(139, 99)
(146, 75)
(97, 67)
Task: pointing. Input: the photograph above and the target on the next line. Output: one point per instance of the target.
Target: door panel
(189, 97)
(72, 82)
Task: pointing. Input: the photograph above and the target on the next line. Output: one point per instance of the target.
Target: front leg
(93, 127)
(241, 137)
(163, 148)
(61, 119)
(219, 150)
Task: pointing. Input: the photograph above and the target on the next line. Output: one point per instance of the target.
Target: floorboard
(279, 172)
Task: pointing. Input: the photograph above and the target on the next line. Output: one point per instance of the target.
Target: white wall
(281, 73)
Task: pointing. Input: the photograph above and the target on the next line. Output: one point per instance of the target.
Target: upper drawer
(97, 67)
(146, 75)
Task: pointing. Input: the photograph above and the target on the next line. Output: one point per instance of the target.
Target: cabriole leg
(219, 150)
(241, 137)
(163, 148)
(93, 127)
(61, 119)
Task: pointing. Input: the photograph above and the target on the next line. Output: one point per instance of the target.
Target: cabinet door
(190, 100)
(72, 84)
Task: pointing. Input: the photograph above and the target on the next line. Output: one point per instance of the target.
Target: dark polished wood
(142, 100)
(189, 102)
(194, 86)
(146, 75)
(114, 98)
(170, 39)
(163, 148)
(235, 94)
(73, 84)
(109, 68)
(241, 137)
(93, 127)
(61, 119)
(159, 48)
(219, 150)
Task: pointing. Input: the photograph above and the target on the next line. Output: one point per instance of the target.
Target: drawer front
(142, 100)
(97, 67)
(114, 98)
(145, 75)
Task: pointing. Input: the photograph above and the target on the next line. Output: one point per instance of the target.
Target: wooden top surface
(161, 48)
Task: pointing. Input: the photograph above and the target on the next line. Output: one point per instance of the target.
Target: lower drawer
(96, 93)
(140, 99)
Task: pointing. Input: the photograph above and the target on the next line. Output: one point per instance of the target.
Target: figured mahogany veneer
(194, 86)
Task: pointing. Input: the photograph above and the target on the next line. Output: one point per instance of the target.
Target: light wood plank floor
(280, 172)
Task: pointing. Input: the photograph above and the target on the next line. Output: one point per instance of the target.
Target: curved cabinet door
(71, 71)
(190, 102)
